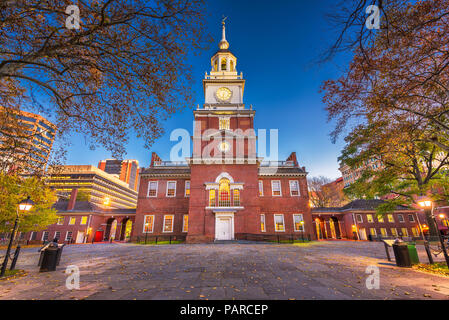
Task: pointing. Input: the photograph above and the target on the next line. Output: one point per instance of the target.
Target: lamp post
(24, 205)
(428, 204)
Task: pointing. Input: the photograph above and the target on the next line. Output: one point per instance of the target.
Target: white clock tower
(223, 87)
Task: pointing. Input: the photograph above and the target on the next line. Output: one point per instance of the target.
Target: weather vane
(224, 19)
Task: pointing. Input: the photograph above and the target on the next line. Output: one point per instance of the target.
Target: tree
(124, 69)
(14, 189)
(324, 192)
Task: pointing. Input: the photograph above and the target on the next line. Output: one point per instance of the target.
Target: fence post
(16, 256)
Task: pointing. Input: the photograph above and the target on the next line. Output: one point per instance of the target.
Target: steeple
(224, 44)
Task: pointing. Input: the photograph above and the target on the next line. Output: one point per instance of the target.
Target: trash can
(413, 253)
(49, 259)
(401, 254)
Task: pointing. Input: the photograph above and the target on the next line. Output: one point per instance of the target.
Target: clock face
(223, 94)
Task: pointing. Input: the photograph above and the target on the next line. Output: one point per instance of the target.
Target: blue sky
(277, 45)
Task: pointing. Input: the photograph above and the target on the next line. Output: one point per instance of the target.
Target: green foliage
(14, 189)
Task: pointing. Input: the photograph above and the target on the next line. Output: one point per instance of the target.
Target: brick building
(224, 191)
(357, 220)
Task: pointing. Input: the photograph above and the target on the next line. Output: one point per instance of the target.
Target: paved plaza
(320, 270)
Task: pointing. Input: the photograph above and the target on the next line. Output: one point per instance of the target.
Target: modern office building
(125, 170)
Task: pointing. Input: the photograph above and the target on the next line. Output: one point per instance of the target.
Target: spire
(224, 44)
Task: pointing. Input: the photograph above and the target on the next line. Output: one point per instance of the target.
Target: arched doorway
(111, 228)
(320, 231)
(127, 226)
(335, 228)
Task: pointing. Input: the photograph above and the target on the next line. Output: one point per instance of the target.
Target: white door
(363, 234)
(80, 237)
(223, 231)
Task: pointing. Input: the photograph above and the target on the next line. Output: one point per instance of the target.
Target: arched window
(216, 65)
(212, 198)
(223, 64)
(224, 193)
(236, 199)
(232, 65)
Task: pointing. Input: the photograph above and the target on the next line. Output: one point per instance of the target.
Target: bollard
(388, 253)
(16, 256)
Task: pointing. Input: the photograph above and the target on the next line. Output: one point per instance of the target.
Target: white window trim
(411, 215)
(184, 223)
(396, 232)
(144, 221)
(62, 223)
(67, 234)
(157, 188)
(56, 235)
(290, 185)
(375, 232)
(388, 218)
(280, 188)
(81, 222)
(406, 232)
(166, 192)
(386, 232)
(357, 218)
(185, 189)
(48, 235)
(301, 216)
(260, 193)
(70, 220)
(264, 223)
(172, 223)
(372, 217)
(283, 222)
(31, 235)
(403, 220)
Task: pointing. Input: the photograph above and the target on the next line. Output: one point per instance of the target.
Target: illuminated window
(83, 220)
(276, 188)
(224, 193)
(236, 198)
(224, 124)
(298, 222)
(279, 223)
(394, 232)
(372, 231)
(171, 189)
(383, 232)
(148, 224)
(262, 223)
(390, 218)
(60, 221)
(294, 188)
(168, 223)
(400, 218)
(72, 220)
(152, 189)
(185, 223)
(359, 218)
(369, 217)
(212, 198)
(411, 218)
(68, 236)
(415, 232)
(223, 64)
(187, 192)
(261, 188)
(404, 232)
(380, 218)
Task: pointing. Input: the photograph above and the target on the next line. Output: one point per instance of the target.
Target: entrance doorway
(98, 236)
(80, 237)
(362, 234)
(125, 233)
(224, 226)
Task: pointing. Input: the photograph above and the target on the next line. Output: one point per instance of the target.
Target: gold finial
(223, 22)
(223, 43)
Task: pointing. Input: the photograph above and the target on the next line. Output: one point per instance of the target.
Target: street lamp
(427, 204)
(24, 205)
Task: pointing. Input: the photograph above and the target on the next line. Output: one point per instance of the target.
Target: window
(298, 222)
(276, 188)
(58, 235)
(390, 218)
(261, 188)
(262, 223)
(68, 236)
(60, 221)
(394, 232)
(224, 124)
(185, 223)
(359, 218)
(372, 231)
(236, 198)
(380, 218)
(171, 189)
(294, 188)
(383, 232)
(148, 224)
(369, 217)
(168, 224)
(400, 218)
(83, 220)
(187, 189)
(45, 236)
(212, 198)
(72, 220)
(404, 232)
(411, 218)
(224, 193)
(33, 235)
(279, 223)
(415, 232)
(152, 189)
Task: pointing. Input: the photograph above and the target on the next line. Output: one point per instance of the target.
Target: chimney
(72, 201)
